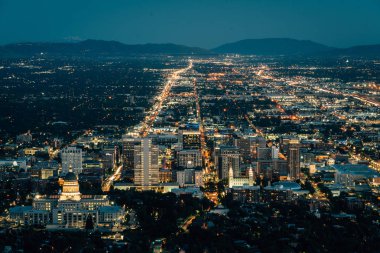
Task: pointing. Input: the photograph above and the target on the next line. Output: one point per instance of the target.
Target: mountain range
(100, 48)
(94, 48)
(291, 47)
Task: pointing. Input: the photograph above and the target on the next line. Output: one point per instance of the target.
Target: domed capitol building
(69, 209)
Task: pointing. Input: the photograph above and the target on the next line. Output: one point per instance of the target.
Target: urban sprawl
(190, 154)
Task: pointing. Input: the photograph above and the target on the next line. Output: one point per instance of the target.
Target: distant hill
(280, 46)
(292, 47)
(101, 48)
(95, 48)
(359, 51)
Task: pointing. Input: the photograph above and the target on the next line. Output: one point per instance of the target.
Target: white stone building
(240, 181)
(70, 209)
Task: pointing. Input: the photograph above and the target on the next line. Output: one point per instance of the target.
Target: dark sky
(206, 23)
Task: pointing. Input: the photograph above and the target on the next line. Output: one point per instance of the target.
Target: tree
(89, 223)
(309, 187)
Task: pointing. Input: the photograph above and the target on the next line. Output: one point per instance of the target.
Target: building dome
(70, 177)
(70, 188)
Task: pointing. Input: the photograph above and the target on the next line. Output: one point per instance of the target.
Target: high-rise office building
(265, 168)
(190, 139)
(284, 142)
(71, 158)
(248, 146)
(255, 143)
(109, 156)
(264, 153)
(273, 168)
(227, 157)
(189, 158)
(146, 165)
(128, 152)
(294, 159)
(275, 152)
(190, 177)
(244, 145)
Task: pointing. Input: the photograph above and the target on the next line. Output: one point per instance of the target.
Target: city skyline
(108, 144)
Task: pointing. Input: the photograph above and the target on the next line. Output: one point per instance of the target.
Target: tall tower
(275, 152)
(146, 166)
(250, 176)
(230, 177)
(128, 152)
(294, 159)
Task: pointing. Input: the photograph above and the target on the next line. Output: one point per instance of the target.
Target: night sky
(206, 23)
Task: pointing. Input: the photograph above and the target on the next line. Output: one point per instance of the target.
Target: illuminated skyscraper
(146, 165)
(294, 159)
(128, 152)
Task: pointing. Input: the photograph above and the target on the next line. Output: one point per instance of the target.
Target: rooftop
(356, 169)
(283, 186)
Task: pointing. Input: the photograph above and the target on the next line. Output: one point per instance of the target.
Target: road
(204, 150)
(188, 222)
(114, 177)
(147, 124)
(355, 96)
(160, 98)
(184, 227)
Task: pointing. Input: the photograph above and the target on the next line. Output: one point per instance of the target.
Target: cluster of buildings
(258, 133)
(69, 209)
